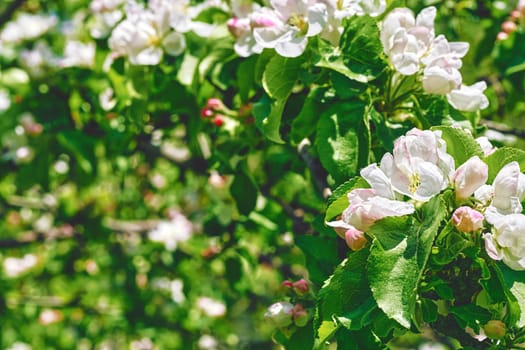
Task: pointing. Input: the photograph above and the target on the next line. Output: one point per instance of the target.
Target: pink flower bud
(214, 104)
(280, 314)
(206, 112)
(218, 121)
(502, 36)
(508, 27)
(300, 315)
(287, 284)
(470, 176)
(355, 239)
(467, 219)
(301, 287)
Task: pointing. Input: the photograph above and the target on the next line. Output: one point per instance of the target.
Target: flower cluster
(286, 313)
(287, 24)
(413, 47)
(420, 168)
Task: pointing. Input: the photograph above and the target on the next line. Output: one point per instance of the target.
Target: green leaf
(343, 140)
(321, 255)
(344, 294)
(268, 116)
(398, 256)
(361, 47)
(280, 75)
(501, 157)
(244, 190)
(305, 122)
(470, 315)
(460, 144)
(245, 78)
(82, 148)
(332, 59)
(515, 281)
(338, 201)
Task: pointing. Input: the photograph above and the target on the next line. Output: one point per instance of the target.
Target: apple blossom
(293, 21)
(280, 314)
(27, 27)
(467, 219)
(106, 14)
(469, 177)
(406, 39)
(441, 74)
(419, 167)
(469, 98)
(355, 239)
(211, 307)
(78, 54)
(179, 229)
(486, 146)
(507, 242)
(144, 36)
(509, 189)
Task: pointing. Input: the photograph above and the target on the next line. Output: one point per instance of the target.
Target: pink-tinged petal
(355, 239)
(467, 219)
(469, 177)
(490, 247)
(378, 180)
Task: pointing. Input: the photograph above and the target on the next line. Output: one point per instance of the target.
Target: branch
(318, 172)
(9, 11)
(503, 128)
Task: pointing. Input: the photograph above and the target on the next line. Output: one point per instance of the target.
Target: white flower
(293, 21)
(182, 15)
(211, 307)
(441, 74)
(486, 146)
(106, 99)
(247, 16)
(5, 100)
(469, 98)
(144, 37)
(406, 39)
(14, 267)
(106, 14)
(27, 27)
(39, 60)
(280, 314)
(20, 346)
(469, 177)
(177, 293)
(507, 242)
(509, 189)
(420, 167)
(78, 54)
(207, 342)
(173, 232)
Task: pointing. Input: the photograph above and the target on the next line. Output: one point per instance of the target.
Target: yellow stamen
(415, 181)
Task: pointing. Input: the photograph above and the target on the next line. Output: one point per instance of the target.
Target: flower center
(299, 22)
(415, 181)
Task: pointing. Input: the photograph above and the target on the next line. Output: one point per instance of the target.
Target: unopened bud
(508, 27)
(502, 36)
(287, 284)
(470, 176)
(207, 112)
(301, 287)
(300, 315)
(218, 121)
(214, 104)
(467, 219)
(355, 239)
(280, 314)
(495, 329)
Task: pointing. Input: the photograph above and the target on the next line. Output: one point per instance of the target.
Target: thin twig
(318, 172)
(9, 11)
(503, 128)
